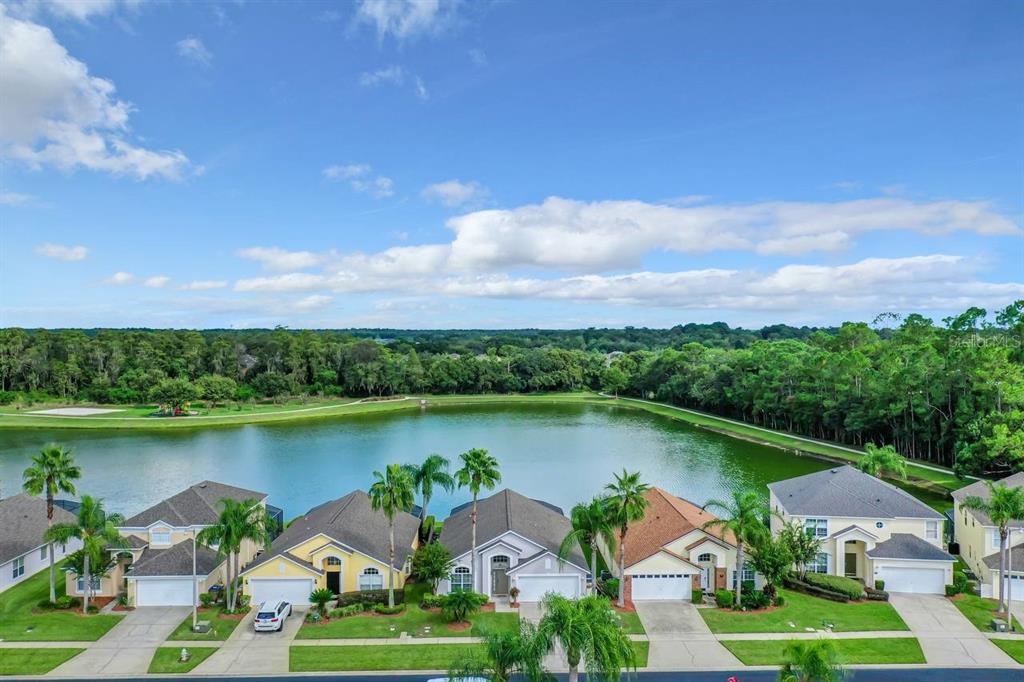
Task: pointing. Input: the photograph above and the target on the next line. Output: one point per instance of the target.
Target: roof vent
(203, 484)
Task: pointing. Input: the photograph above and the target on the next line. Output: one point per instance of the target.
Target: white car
(271, 616)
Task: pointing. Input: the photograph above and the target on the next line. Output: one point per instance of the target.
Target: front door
(334, 581)
(851, 565)
(499, 575)
(705, 577)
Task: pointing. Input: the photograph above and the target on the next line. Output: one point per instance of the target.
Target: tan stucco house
(978, 538)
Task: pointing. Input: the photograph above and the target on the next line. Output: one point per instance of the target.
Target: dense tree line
(950, 393)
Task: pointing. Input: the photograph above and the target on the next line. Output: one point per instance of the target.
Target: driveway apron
(680, 639)
(947, 638)
(128, 647)
(247, 652)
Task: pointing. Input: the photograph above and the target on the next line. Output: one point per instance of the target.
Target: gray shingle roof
(23, 523)
(980, 489)
(175, 560)
(907, 546)
(504, 511)
(197, 505)
(133, 542)
(1016, 559)
(845, 491)
(351, 521)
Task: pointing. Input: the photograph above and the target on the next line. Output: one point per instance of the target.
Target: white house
(869, 529)
(517, 545)
(22, 550)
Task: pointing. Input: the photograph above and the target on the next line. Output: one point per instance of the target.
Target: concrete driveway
(129, 646)
(947, 638)
(247, 652)
(680, 639)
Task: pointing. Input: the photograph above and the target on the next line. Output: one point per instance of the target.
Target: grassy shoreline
(936, 479)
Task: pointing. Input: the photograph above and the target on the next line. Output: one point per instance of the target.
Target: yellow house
(342, 545)
(978, 538)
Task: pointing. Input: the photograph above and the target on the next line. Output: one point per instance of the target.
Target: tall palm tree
(433, 471)
(479, 470)
(625, 504)
(811, 661)
(589, 632)
(742, 515)
(392, 492)
(237, 521)
(504, 654)
(1004, 506)
(53, 471)
(590, 527)
(880, 460)
(97, 530)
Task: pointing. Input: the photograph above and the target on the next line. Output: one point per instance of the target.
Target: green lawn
(413, 620)
(804, 612)
(631, 623)
(1013, 647)
(980, 611)
(377, 657)
(165, 660)
(33, 661)
(641, 649)
(891, 650)
(220, 627)
(21, 622)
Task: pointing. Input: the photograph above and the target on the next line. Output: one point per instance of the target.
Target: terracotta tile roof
(668, 518)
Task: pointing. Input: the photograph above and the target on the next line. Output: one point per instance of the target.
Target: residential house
(978, 538)
(342, 545)
(23, 552)
(869, 529)
(670, 553)
(154, 567)
(517, 546)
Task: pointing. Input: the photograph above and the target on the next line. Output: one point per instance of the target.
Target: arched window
(462, 579)
(371, 579)
(335, 561)
(706, 557)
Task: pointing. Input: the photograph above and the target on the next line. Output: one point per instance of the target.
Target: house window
(820, 563)
(371, 579)
(706, 557)
(42, 552)
(931, 530)
(816, 527)
(95, 580)
(162, 537)
(748, 574)
(879, 525)
(993, 535)
(333, 561)
(18, 568)
(462, 579)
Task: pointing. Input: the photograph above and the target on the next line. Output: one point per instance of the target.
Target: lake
(561, 453)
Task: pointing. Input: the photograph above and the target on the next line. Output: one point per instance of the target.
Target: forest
(951, 393)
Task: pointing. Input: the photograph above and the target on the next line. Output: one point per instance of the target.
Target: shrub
(122, 599)
(952, 591)
(961, 581)
(432, 601)
(93, 609)
(797, 585)
(319, 598)
(724, 599)
(350, 610)
(458, 605)
(697, 596)
(513, 594)
(610, 588)
(836, 583)
(370, 597)
(243, 602)
(207, 599)
(389, 610)
(780, 600)
(755, 599)
(45, 604)
(880, 585)
(66, 602)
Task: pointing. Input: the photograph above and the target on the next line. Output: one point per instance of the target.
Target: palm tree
(811, 661)
(1004, 506)
(433, 471)
(625, 505)
(392, 492)
(503, 654)
(589, 632)
(742, 516)
(885, 459)
(53, 471)
(96, 529)
(237, 522)
(590, 527)
(479, 470)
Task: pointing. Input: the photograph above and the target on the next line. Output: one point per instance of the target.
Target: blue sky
(507, 164)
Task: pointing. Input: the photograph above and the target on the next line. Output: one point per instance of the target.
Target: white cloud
(314, 302)
(62, 252)
(14, 199)
(394, 75)
(360, 179)
(193, 49)
(121, 278)
(156, 282)
(280, 260)
(352, 170)
(53, 112)
(403, 19)
(203, 285)
(453, 193)
(78, 10)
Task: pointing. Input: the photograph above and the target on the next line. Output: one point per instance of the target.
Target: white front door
(662, 586)
(291, 590)
(921, 580)
(163, 592)
(532, 588)
(705, 578)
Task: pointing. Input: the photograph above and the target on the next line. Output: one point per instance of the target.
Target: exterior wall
(35, 563)
(508, 544)
(974, 541)
(660, 563)
(110, 586)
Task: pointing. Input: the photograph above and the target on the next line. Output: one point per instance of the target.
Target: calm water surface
(559, 453)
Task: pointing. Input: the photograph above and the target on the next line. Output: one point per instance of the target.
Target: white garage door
(658, 586)
(534, 587)
(163, 592)
(291, 590)
(920, 580)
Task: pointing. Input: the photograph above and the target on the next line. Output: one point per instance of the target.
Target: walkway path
(680, 639)
(129, 646)
(247, 652)
(947, 638)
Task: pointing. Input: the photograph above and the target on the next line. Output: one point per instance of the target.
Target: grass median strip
(631, 624)
(980, 611)
(221, 627)
(805, 611)
(377, 657)
(641, 650)
(1014, 648)
(167, 659)
(33, 661)
(892, 650)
